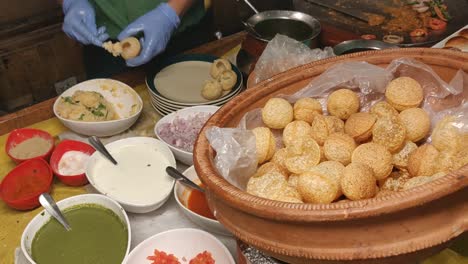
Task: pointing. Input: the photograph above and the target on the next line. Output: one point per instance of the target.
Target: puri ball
(403, 93)
(358, 182)
(359, 126)
(306, 109)
(130, 48)
(316, 188)
(416, 122)
(339, 147)
(389, 132)
(296, 131)
(377, 157)
(342, 103)
(211, 90)
(227, 79)
(423, 161)
(219, 66)
(265, 144)
(277, 113)
(383, 109)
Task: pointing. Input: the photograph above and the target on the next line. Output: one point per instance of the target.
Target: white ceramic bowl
(122, 96)
(41, 218)
(182, 193)
(184, 242)
(182, 155)
(108, 184)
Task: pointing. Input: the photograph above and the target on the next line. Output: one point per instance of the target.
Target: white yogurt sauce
(139, 177)
(73, 163)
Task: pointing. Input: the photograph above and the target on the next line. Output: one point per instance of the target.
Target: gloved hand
(80, 23)
(157, 26)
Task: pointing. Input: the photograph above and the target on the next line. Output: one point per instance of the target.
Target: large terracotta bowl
(400, 228)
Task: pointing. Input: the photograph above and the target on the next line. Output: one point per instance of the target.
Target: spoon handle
(51, 207)
(251, 6)
(174, 173)
(97, 144)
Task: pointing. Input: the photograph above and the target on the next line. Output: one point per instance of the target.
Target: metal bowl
(356, 45)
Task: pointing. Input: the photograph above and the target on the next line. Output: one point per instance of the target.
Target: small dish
(43, 217)
(182, 193)
(20, 135)
(21, 187)
(183, 156)
(122, 96)
(139, 181)
(62, 148)
(183, 243)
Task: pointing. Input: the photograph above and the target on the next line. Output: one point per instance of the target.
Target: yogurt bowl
(139, 181)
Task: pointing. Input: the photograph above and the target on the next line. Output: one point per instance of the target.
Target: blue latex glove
(157, 26)
(80, 23)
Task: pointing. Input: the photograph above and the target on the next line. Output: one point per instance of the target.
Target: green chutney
(98, 236)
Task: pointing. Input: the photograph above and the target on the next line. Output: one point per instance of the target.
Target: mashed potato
(86, 106)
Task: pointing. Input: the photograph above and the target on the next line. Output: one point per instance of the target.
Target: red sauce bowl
(19, 135)
(21, 187)
(62, 148)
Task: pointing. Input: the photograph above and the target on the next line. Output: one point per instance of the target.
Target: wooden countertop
(43, 111)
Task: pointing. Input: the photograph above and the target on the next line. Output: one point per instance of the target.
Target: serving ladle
(174, 173)
(51, 207)
(97, 144)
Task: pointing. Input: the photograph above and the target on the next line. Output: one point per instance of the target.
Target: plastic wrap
(283, 53)
(369, 81)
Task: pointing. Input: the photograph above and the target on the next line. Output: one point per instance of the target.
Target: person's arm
(181, 6)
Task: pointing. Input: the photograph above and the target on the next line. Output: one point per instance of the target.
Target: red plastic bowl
(62, 148)
(19, 135)
(21, 187)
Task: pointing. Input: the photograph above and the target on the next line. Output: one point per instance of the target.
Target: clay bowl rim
(251, 204)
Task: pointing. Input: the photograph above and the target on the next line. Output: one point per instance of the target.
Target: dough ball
(211, 90)
(389, 132)
(339, 147)
(383, 109)
(395, 181)
(377, 157)
(358, 182)
(403, 93)
(130, 48)
(227, 79)
(277, 113)
(446, 135)
(219, 66)
(359, 126)
(400, 159)
(342, 103)
(416, 122)
(316, 188)
(296, 131)
(306, 109)
(265, 144)
(423, 161)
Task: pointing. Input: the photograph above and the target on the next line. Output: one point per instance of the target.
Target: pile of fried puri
(352, 155)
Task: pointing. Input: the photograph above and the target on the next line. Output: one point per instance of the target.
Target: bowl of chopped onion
(180, 129)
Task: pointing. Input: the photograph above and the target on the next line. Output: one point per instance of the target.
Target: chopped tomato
(437, 24)
(419, 32)
(203, 258)
(368, 36)
(161, 257)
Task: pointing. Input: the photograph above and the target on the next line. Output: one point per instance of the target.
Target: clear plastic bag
(283, 53)
(369, 81)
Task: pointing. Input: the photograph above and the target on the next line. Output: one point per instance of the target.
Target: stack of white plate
(177, 83)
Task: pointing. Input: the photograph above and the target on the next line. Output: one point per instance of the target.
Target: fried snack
(358, 182)
(219, 66)
(277, 113)
(322, 155)
(273, 186)
(293, 180)
(403, 93)
(383, 109)
(333, 170)
(302, 158)
(296, 132)
(306, 109)
(420, 180)
(265, 144)
(377, 157)
(227, 79)
(131, 47)
(390, 133)
(400, 159)
(446, 136)
(270, 167)
(342, 103)
(280, 157)
(395, 181)
(316, 188)
(211, 90)
(288, 194)
(359, 126)
(416, 122)
(334, 124)
(446, 162)
(323, 126)
(339, 147)
(423, 161)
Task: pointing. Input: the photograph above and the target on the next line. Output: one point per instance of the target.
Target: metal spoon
(174, 173)
(251, 6)
(97, 144)
(51, 207)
